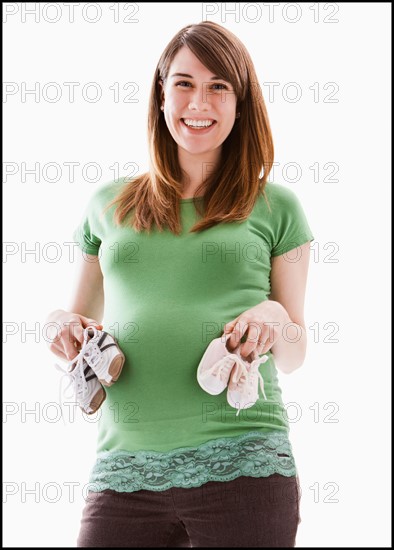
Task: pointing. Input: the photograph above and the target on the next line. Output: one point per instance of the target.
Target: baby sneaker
(88, 393)
(215, 366)
(101, 352)
(243, 385)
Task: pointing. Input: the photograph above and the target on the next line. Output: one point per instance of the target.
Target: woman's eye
(223, 86)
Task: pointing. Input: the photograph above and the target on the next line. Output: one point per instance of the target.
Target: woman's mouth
(198, 127)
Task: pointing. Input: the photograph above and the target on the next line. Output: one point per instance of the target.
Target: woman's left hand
(264, 324)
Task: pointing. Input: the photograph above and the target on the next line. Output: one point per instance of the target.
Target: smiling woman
(199, 112)
(204, 75)
(171, 454)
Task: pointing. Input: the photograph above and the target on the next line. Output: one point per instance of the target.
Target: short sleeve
(88, 231)
(86, 239)
(291, 228)
(95, 222)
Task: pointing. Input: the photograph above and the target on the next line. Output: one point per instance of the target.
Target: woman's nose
(199, 100)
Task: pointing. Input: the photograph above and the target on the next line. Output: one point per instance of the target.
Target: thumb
(86, 321)
(228, 327)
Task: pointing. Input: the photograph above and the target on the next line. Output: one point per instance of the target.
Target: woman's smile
(196, 126)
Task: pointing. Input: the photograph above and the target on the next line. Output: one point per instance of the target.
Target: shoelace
(253, 370)
(90, 349)
(217, 368)
(76, 376)
(76, 379)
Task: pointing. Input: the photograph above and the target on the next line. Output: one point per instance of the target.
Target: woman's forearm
(289, 349)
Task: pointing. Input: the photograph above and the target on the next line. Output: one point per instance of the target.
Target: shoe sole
(115, 368)
(97, 401)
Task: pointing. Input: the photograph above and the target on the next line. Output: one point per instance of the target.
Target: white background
(343, 464)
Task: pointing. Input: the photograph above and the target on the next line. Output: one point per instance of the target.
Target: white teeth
(197, 123)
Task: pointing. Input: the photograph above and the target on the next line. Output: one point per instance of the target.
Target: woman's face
(193, 96)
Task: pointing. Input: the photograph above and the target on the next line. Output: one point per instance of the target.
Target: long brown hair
(231, 190)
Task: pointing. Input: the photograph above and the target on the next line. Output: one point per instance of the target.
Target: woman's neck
(196, 168)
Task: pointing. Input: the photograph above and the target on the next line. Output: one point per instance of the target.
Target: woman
(198, 247)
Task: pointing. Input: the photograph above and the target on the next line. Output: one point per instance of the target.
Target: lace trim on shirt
(254, 454)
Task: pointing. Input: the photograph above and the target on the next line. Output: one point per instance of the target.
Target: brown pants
(246, 512)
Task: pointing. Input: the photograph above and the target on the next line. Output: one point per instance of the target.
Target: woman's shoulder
(279, 193)
(277, 200)
(107, 191)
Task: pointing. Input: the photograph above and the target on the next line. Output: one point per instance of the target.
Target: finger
(238, 331)
(70, 349)
(251, 343)
(265, 346)
(64, 351)
(80, 329)
(78, 333)
(58, 351)
(86, 321)
(72, 339)
(259, 349)
(265, 342)
(229, 327)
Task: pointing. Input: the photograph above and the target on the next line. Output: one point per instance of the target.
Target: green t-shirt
(166, 298)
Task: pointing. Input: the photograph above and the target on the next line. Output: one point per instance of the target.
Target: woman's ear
(161, 85)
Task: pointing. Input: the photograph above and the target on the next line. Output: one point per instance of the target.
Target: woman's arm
(289, 273)
(86, 307)
(88, 294)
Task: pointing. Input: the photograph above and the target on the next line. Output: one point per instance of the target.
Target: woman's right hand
(67, 333)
